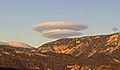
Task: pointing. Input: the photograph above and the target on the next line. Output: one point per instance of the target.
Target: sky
(17, 17)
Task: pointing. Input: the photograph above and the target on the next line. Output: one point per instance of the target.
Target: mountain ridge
(76, 41)
(100, 52)
(16, 44)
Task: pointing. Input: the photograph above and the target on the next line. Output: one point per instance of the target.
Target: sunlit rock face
(100, 52)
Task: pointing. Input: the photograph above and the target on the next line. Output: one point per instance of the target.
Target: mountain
(85, 46)
(100, 52)
(13, 55)
(16, 44)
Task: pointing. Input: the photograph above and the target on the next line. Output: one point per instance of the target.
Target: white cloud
(59, 29)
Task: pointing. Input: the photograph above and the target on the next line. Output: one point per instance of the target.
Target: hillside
(100, 52)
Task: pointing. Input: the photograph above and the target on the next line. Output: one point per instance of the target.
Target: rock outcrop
(101, 52)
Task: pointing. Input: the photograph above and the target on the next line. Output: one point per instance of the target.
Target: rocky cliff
(101, 52)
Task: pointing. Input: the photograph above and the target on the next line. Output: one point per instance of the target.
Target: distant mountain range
(100, 52)
(16, 44)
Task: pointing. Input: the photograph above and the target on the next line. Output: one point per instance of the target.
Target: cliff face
(101, 52)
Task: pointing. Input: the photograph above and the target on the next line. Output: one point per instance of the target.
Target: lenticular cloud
(59, 29)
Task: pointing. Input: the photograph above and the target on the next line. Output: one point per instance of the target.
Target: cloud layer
(59, 29)
(58, 33)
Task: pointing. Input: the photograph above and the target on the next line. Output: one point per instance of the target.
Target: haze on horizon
(17, 17)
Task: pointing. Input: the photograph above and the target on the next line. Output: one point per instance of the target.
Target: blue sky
(18, 16)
